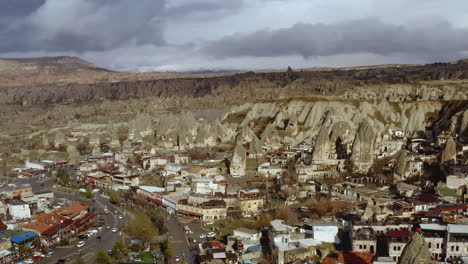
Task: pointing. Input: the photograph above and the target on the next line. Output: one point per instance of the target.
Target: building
(364, 240)
(457, 241)
(397, 240)
(19, 210)
(13, 191)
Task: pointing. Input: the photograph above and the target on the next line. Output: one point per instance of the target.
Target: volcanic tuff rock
(449, 151)
(416, 251)
(363, 145)
(441, 81)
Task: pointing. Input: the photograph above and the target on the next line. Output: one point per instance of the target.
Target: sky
(190, 35)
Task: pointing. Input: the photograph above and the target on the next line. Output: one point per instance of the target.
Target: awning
(189, 213)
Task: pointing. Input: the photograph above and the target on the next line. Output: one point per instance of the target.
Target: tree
(63, 176)
(169, 250)
(118, 249)
(114, 197)
(103, 258)
(142, 227)
(89, 192)
(78, 260)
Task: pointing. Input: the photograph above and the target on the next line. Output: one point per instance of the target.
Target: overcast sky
(160, 35)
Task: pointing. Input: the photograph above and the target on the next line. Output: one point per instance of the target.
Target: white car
(120, 217)
(93, 231)
(177, 259)
(80, 244)
(114, 230)
(202, 236)
(211, 234)
(210, 223)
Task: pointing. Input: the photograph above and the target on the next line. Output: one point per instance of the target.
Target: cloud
(203, 9)
(360, 36)
(86, 25)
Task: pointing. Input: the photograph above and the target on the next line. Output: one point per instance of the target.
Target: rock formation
(363, 146)
(416, 251)
(449, 151)
(239, 161)
(59, 139)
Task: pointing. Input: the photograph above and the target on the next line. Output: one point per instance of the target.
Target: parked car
(108, 226)
(210, 223)
(83, 236)
(114, 230)
(177, 259)
(202, 236)
(80, 244)
(50, 252)
(120, 217)
(116, 211)
(211, 234)
(98, 237)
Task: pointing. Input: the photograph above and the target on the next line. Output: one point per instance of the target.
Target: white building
(19, 210)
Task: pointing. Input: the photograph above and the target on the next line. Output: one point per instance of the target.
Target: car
(94, 231)
(109, 252)
(177, 259)
(194, 241)
(61, 261)
(247, 216)
(108, 226)
(120, 217)
(202, 236)
(28, 261)
(114, 230)
(116, 211)
(98, 237)
(210, 223)
(211, 234)
(37, 258)
(99, 228)
(186, 228)
(106, 211)
(83, 236)
(80, 244)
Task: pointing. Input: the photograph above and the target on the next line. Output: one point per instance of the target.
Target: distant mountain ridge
(59, 63)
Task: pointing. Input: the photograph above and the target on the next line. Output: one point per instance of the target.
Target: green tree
(169, 250)
(114, 197)
(103, 258)
(89, 192)
(78, 260)
(63, 176)
(142, 227)
(118, 250)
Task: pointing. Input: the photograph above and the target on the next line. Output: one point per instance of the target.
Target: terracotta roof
(72, 210)
(399, 233)
(350, 258)
(44, 222)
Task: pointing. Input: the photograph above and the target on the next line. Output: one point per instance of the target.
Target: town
(189, 190)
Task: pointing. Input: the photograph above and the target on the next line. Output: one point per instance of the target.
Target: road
(92, 245)
(179, 240)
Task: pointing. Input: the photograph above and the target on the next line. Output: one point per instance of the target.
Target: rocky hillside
(440, 81)
(62, 63)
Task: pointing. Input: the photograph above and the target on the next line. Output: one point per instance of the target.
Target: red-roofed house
(349, 257)
(396, 243)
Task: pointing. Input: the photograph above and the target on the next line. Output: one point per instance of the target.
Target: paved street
(92, 246)
(179, 240)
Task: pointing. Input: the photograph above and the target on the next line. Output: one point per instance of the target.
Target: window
(360, 246)
(458, 248)
(452, 248)
(429, 244)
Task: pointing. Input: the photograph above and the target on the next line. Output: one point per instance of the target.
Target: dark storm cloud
(15, 8)
(367, 36)
(204, 9)
(78, 26)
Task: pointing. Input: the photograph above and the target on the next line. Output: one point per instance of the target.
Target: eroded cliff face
(328, 124)
(402, 83)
